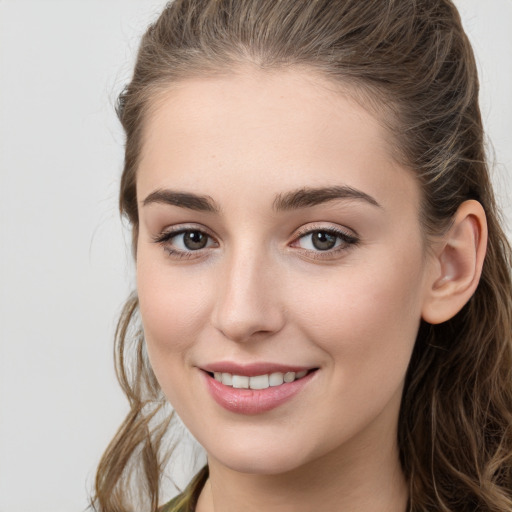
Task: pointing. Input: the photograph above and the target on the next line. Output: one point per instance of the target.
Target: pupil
(323, 241)
(194, 240)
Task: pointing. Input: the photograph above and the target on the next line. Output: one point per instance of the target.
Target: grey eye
(323, 241)
(194, 240)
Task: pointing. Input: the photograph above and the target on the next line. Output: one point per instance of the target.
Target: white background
(65, 264)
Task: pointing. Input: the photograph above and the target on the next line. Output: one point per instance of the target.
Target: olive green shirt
(187, 500)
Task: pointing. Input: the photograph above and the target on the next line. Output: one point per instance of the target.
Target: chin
(264, 461)
(256, 466)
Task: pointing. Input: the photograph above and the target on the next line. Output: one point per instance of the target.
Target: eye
(183, 242)
(320, 240)
(325, 240)
(191, 240)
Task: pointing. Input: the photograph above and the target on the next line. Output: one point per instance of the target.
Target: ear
(457, 264)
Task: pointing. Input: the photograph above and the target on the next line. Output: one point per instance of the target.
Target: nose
(248, 305)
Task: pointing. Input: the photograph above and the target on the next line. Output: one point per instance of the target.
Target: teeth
(276, 379)
(240, 382)
(289, 376)
(227, 379)
(258, 381)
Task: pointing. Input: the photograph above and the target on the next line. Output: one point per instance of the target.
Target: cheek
(172, 313)
(172, 308)
(367, 316)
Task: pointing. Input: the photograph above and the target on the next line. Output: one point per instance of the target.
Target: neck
(368, 476)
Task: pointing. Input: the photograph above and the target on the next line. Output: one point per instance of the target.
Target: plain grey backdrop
(65, 264)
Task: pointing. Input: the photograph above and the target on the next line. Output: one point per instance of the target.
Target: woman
(323, 285)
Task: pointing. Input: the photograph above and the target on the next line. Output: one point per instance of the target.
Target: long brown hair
(411, 60)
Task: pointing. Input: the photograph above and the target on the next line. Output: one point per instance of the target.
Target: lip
(253, 369)
(251, 401)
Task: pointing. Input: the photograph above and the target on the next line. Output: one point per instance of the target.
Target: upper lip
(253, 369)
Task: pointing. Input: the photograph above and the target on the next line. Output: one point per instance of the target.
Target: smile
(258, 381)
(262, 390)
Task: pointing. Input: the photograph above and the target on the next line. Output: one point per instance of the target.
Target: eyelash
(165, 238)
(347, 241)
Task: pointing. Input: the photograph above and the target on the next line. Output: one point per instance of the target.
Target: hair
(414, 58)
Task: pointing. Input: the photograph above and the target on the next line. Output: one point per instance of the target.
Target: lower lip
(254, 401)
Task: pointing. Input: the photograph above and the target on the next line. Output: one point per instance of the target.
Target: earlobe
(457, 264)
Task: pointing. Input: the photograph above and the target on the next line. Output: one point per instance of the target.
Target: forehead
(261, 130)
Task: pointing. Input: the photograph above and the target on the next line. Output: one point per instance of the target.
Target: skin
(260, 291)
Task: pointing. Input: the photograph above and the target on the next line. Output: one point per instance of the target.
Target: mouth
(259, 382)
(255, 389)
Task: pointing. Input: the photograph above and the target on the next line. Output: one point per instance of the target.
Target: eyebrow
(308, 197)
(305, 197)
(183, 200)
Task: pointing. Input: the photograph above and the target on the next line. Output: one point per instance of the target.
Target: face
(280, 250)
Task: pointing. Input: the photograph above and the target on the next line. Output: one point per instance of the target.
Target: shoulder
(186, 501)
